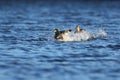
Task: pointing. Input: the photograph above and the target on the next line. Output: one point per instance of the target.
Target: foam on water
(84, 36)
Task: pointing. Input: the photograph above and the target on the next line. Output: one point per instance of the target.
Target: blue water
(28, 50)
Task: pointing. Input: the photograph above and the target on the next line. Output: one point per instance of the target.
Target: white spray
(84, 36)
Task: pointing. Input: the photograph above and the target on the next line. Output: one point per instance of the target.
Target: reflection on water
(28, 50)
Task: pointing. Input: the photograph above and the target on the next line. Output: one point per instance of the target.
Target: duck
(78, 29)
(60, 35)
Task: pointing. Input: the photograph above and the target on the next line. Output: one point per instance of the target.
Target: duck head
(57, 33)
(78, 28)
(55, 30)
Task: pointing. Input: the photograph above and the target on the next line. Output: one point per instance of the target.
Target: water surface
(28, 50)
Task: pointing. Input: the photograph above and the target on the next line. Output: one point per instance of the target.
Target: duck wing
(60, 36)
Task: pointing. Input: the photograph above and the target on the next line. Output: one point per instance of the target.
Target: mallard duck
(59, 35)
(78, 29)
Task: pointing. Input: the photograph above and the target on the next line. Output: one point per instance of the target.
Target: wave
(84, 36)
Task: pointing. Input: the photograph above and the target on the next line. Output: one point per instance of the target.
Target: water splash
(101, 33)
(84, 36)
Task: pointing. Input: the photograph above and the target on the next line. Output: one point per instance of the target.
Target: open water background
(28, 50)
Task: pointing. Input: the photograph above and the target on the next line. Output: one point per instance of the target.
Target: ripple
(38, 39)
(8, 37)
(95, 46)
(114, 47)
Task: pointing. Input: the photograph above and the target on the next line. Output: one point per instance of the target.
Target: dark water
(28, 50)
